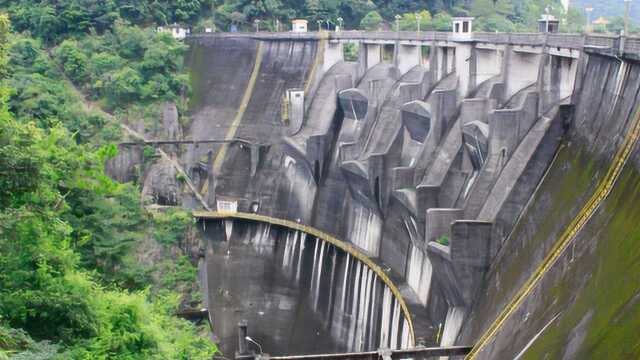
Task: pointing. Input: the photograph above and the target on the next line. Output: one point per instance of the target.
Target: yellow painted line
(319, 58)
(231, 132)
(325, 237)
(600, 194)
(217, 163)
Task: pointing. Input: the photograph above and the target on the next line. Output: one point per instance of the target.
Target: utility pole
(588, 10)
(397, 17)
(418, 18)
(627, 4)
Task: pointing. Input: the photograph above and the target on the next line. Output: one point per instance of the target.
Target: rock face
(159, 178)
(458, 174)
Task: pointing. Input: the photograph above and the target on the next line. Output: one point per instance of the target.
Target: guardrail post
(242, 339)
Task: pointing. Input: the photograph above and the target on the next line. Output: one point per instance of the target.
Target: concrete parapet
(460, 267)
(438, 222)
(474, 109)
(443, 273)
(520, 176)
(508, 126)
(333, 53)
(520, 70)
(402, 177)
(470, 255)
(427, 196)
(444, 111)
(407, 56)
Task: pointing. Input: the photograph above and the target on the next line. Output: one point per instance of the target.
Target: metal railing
(632, 45)
(419, 352)
(571, 41)
(558, 40)
(602, 41)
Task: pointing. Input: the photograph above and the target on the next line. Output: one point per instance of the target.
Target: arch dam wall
(458, 164)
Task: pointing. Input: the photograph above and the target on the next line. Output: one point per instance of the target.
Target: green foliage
(178, 273)
(74, 61)
(575, 21)
(443, 240)
(371, 21)
(68, 203)
(125, 66)
(495, 23)
(441, 22)
(350, 51)
(170, 226)
(409, 22)
(39, 93)
(67, 231)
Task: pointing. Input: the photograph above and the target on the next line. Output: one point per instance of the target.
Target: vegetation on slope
(72, 284)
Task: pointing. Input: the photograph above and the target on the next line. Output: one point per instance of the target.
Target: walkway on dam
(600, 194)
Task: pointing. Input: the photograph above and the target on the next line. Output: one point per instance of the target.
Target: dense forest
(73, 284)
(53, 21)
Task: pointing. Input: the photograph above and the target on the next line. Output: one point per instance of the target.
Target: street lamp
(277, 25)
(257, 22)
(328, 24)
(398, 17)
(588, 10)
(253, 342)
(627, 4)
(319, 25)
(418, 17)
(340, 20)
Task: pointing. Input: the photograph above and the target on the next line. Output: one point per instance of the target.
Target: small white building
(462, 27)
(176, 31)
(299, 25)
(548, 24)
(295, 108)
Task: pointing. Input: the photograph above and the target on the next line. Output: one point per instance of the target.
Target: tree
(494, 23)
(371, 21)
(616, 25)
(441, 22)
(73, 61)
(185, 10)
(574, 21)
(409, 21)
(352, 11)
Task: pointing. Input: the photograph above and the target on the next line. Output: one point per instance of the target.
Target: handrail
(560, 40)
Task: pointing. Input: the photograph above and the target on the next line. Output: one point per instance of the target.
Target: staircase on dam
(479, 190)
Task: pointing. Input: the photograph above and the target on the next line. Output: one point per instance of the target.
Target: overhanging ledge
(342, 245)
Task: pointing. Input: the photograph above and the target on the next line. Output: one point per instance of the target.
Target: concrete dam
(435, 189)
